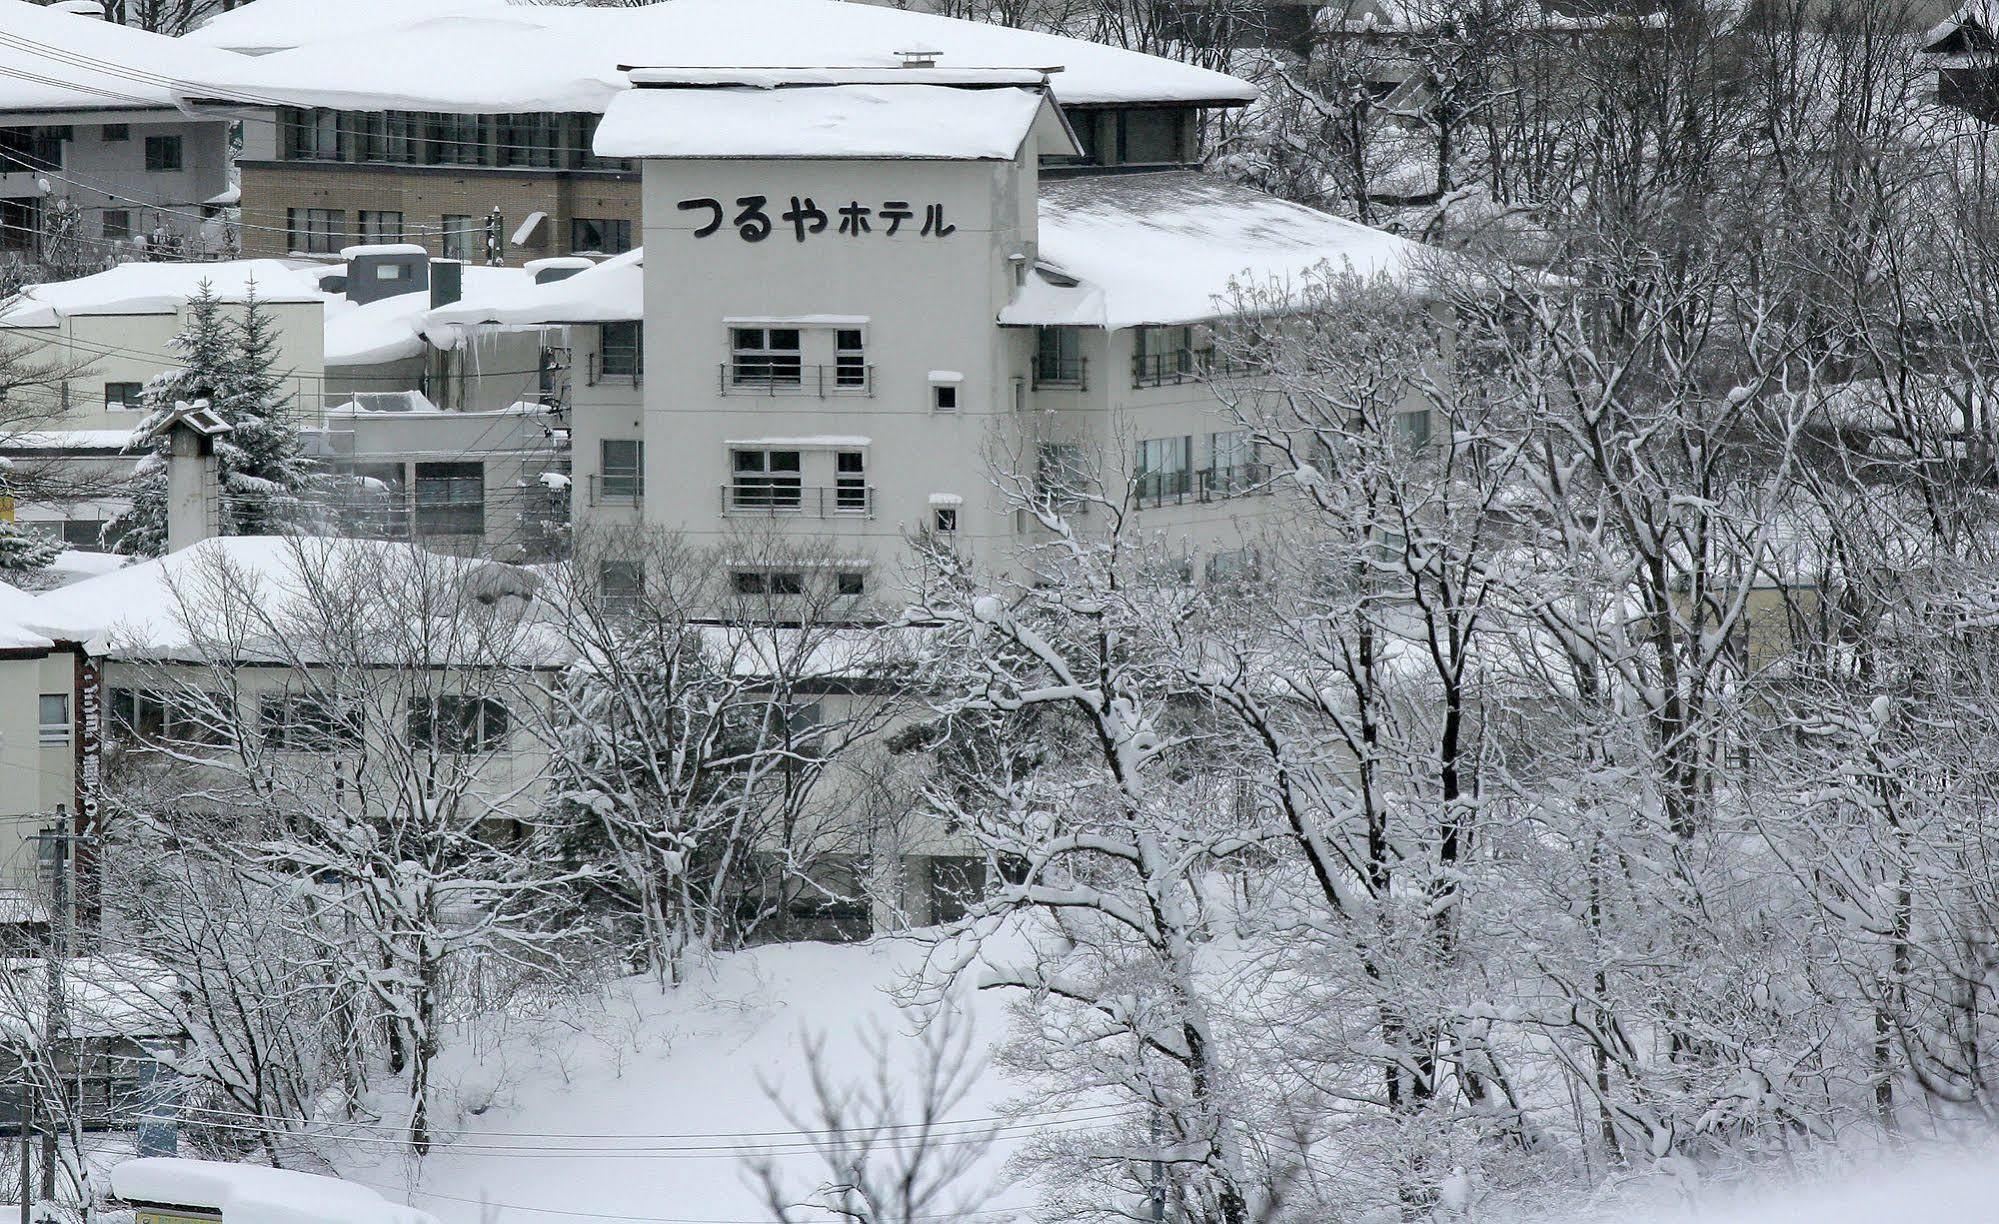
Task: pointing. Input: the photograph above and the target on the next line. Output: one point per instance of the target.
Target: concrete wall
(34, 776)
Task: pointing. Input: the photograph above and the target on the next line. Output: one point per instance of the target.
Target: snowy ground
(657, 1072)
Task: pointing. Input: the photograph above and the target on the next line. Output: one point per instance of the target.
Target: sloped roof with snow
(51, 60)
(906, 119)
(263, 26)
(380, 331)
(17, 608)
(498, 58)
(1127, 250)
(611, 292)
(253, 1194)
(224, 593)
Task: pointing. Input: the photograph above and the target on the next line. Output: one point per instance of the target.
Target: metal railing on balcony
(808, 501)
(615, 489)
(765, 377)
(617, 364)
(1061, 371)
(1205, 485)
(1184, 365)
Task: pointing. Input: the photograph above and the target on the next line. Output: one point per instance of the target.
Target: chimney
(447, 281)
(194, 482)
(918, 59)
(384, 271)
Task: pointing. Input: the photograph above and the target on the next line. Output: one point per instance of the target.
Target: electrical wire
(598, 1215)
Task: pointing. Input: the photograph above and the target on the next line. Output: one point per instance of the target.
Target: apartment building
(95, 153)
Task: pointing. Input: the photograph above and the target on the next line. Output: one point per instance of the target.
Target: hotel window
(460, 233)
(1162, 470)
(1059, 474)
(600, 235)
(850, 582)
(453, 140)
(115, 132)
(450, 499)
(621, 479)
(306, 723)
(1058, 356)
(162, 152)
(850, 358)
(620, 584)
(765, 357)
(459, 725)
(122, 396)
(117, 223)
(620, 349)
(54, 711)
(850, 480)
(944, 397)
(1163, 355)
(528, 140)
(767, 582)
(1232, 467)
(766, 480)
(380, 226)
(945, 519)
(315, 231)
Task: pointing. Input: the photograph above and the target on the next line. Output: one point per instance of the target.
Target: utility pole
(496, 241)
(57, 844)
(27, 1156)
(1158, 1191)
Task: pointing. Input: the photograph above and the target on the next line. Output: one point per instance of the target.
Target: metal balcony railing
(1061, 371)
(615, 489)
(778, 377)
(818, 501)
(1184, 365)
(1204, 485)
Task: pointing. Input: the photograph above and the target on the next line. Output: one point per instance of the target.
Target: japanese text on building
(756, 218)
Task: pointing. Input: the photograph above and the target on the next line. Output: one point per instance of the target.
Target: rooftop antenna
(918, 59)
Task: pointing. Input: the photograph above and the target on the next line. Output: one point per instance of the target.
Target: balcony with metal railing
(778, 377)
(1196, 487)
(615, 489)
(1184, 365)
(750, 498)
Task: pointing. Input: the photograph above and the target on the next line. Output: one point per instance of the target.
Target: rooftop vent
(918, 59)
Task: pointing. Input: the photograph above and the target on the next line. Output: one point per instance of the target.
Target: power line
(598, 1215)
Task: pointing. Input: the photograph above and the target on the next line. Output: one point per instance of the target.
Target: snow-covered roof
(56, 61)
(264, 26)
(498, 58)
(902, 120)
(162, 609)
(17, 607)
(103, 996)
(108, 440)
(253, 1194)
(380, 331)
(611, 292)
(1128, 250)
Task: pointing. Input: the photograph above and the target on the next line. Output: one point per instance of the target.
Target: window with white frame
(123, 396)
(850, 480)
(766, 480)
(850, 358)
(54, 715)
(765, 356)
(621, 471)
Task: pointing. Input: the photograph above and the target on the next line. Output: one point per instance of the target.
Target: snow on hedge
(251, 1194)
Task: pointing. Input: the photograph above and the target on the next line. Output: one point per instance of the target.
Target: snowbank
(248, 1194)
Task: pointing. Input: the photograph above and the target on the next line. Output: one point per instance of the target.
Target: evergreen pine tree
(25, 551)
(264, 465)
(206, 346)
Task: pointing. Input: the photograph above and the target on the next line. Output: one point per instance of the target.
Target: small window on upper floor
(115, 132)
(54, 709)
(944, 397)
(850, 582)
(163, 153)
(945, 519)
(122, 396)
(621, 350)
(117, 223)
(600, 235)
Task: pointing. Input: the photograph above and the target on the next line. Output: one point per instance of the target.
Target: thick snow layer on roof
(380, 331)
(252, 1194)
(1164, 248)
(56, 61)
(169, 607)
(70, 439)
(888, 121)
(278, 25)
(611, 292)
(548, 58)
(103, 996)
(148, 288)
(17, 607)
